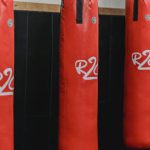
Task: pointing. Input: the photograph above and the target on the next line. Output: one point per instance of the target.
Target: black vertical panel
(38, 82)
(21, 47)
(116, 74)
(104, 57)
(54, 104)
(111, 82)
(104, 49)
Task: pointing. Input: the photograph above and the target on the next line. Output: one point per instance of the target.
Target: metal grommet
(94, 20)
(147, 17)
(10, 23)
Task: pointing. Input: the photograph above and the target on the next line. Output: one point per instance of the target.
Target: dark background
(36, 81)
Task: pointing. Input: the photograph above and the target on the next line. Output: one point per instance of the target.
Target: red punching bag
(137, 74)
(6, 74)
(79, 75)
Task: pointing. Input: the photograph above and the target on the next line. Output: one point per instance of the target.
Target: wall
(102, 3)
(41, 1)
(112, 3)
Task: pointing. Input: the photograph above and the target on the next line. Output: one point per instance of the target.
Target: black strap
(135, 10)
(79, 11)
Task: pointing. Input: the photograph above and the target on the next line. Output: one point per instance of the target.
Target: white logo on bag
(141, 60)
(91, 64)
(6, 87)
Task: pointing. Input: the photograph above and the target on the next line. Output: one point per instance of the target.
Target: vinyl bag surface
(79, 75)
(137, 74)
